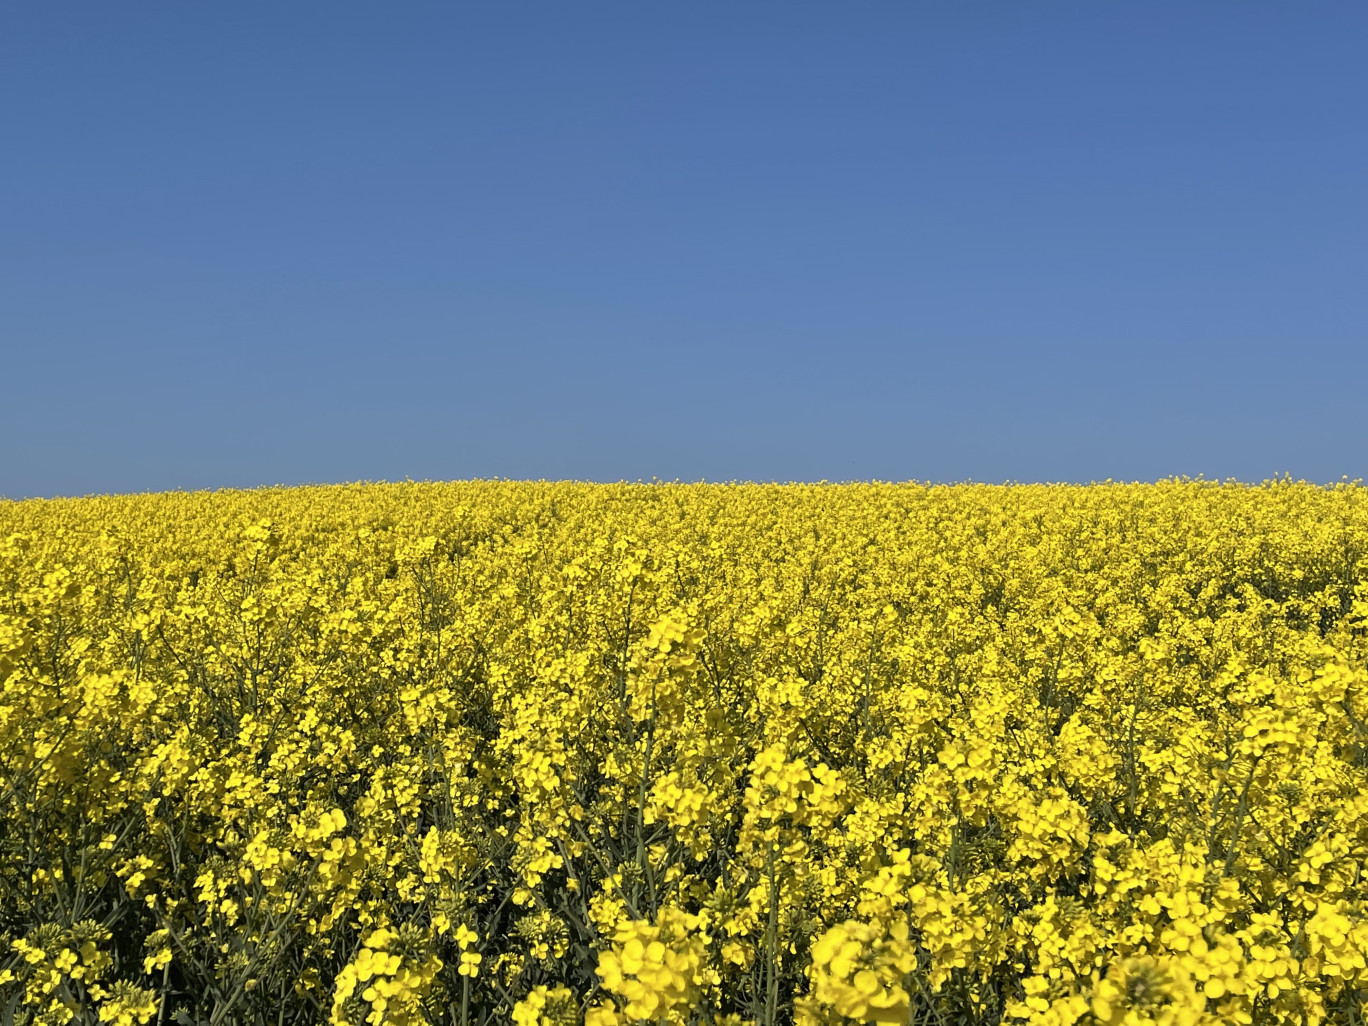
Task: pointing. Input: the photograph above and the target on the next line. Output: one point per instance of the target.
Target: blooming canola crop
(588, 755)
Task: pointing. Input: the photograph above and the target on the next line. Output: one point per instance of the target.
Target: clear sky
(248, 243)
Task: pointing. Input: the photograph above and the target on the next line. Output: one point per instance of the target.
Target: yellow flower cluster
(656, 968)
(858, 972)
(388, 979)
(595, 755)
(547, 1006)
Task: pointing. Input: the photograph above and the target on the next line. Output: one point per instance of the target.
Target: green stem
(772, 947)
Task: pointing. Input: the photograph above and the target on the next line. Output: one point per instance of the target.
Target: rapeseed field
(688, 755)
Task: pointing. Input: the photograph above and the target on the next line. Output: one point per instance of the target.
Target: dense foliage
(557, 754)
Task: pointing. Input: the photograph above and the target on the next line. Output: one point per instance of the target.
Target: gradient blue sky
(248, 243)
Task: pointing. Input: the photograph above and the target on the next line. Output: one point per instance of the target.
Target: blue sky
(245, 244)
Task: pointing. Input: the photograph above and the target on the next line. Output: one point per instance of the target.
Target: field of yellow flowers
(689, 755)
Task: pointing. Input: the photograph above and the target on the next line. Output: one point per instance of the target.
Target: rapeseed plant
(560, 754)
